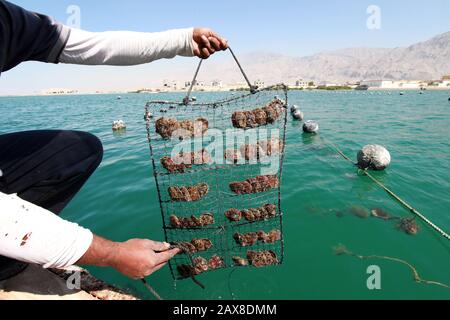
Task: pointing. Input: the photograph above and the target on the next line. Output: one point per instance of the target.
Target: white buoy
(298, 115)
(311, 126)
(148, 115)
(119, 125)
(374, 157)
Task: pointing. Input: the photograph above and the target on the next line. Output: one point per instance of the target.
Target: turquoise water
(120, 200)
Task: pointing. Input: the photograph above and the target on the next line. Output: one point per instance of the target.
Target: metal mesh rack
(218, 174)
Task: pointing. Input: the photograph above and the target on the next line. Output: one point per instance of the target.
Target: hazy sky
(292, 27)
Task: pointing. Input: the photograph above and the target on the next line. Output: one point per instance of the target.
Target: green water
(120, 200)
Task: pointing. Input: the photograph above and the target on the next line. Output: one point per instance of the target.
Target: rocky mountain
(425, 60)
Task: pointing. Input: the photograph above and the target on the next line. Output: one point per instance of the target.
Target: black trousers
(47, 168)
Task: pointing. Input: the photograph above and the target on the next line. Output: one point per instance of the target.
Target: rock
(374, 157)
(311, 126)
(298, 115)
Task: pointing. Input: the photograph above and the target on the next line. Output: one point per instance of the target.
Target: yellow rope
(342, 250)
(390, 192)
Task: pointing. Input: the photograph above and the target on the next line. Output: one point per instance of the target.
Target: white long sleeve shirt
(123, 48)
(32, 234)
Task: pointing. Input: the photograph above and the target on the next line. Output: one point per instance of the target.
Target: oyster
(408, 225)
(200, 266)
(240, 262)
(255, 185)
(234, 215)
(246, 240)
(216, 262)
(233, 156)
(266, 212)
(189, 194)
(359, 212)
(166, 127)
(262, 258)
(204, 220)
(258, 117)
(381, 214)
(202, 244)
(251, 238)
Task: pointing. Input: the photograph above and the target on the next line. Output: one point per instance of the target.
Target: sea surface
(318, 190)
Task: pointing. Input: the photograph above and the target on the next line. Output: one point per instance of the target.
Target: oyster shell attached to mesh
(247, 239)
(266, 212)
(255, 185)
(204, 220)
(262, 258)
(188, 194)
(251, 238)
(196, 245)
(200, 266)
(258, 117)
(240, 262)
(167, 127)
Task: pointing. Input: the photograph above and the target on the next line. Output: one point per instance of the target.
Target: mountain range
(428, 60)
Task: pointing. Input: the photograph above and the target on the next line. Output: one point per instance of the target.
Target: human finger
(166, 256)
(215, 43)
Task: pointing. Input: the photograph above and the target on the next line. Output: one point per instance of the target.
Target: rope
(406, 205)
(390, 192)
(186, 250)
(189, 254)
(151, 290)
(342, 250)
(253, 89)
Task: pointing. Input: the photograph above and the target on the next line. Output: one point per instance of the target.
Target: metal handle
(253, 89)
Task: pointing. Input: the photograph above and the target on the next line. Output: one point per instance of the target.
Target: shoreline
(218, 91)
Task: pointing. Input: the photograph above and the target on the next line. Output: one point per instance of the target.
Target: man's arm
(124, 48)
(29, 36)
(32, 234)
(135, 258)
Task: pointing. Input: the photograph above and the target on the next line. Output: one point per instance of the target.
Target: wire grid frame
(218, 175)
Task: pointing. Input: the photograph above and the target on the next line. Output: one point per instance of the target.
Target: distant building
(171, 85)
(217, 84)
(259, 83)
(302, 83)
(197, 84)
(445, 81)
(394, 84)
(59, 91)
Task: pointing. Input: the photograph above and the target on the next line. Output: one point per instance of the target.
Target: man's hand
(135, 258)
(207, 42)
(138, 259)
